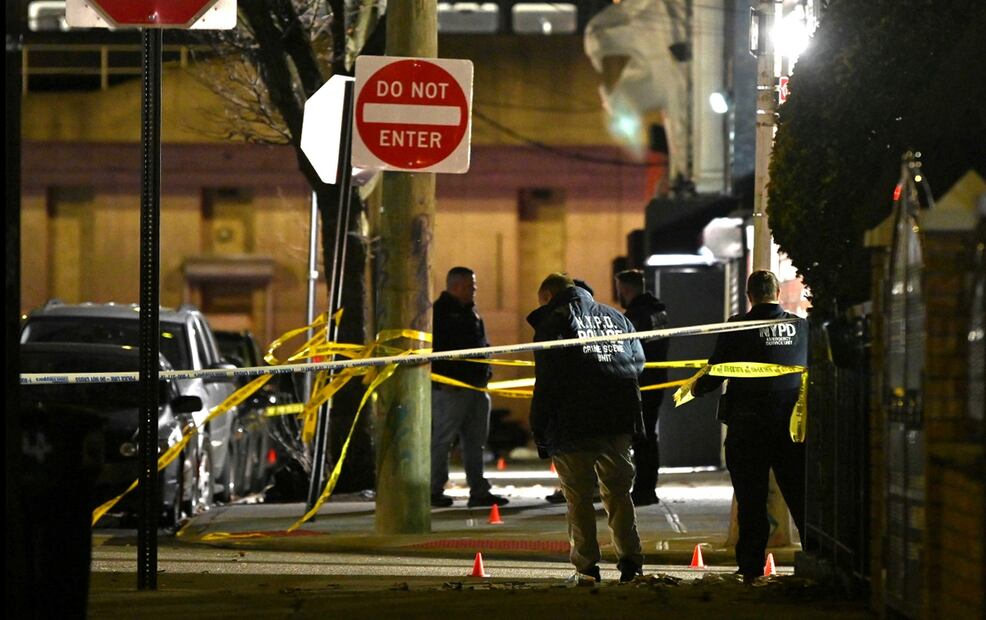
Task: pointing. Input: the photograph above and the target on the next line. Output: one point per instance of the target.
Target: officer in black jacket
(757, 413)
(585, 409)
(458, 411)
(647, 313)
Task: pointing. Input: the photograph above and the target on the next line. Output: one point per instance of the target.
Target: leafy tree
(880, 78)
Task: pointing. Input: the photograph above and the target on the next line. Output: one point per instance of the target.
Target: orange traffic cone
(477, 567)
(495, 515)
(769, 568)
(697, 561)
(553, 470)
(501, 464)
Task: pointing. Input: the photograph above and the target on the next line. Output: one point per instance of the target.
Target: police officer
(585, 409)
(757, 414)
(457, 411)
(647, 313)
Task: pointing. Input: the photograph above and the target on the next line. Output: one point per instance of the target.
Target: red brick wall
(955, 490)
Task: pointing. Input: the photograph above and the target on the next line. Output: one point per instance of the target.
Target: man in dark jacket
(647, 313)
(757, 413)
(585, 409)
(459, 411)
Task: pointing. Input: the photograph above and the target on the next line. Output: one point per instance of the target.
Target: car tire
(223, 489)
(239, 474)
(172, 515)
(197, 493)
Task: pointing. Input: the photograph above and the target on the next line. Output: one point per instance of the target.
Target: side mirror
(186, 404)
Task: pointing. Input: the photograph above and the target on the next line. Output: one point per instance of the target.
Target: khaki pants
(609, 459)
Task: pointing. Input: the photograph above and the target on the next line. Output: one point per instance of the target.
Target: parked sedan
(186, 341)
(185, 484)
(260, 442)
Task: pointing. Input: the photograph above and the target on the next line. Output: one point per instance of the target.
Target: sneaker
(756, 580)
(580, 580)
(556, 498)
(488, 500)
(750, 578)
(628, 571)
(441, 501)
(589, 576)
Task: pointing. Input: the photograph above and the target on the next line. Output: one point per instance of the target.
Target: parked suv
(187, 342)
(113, 411)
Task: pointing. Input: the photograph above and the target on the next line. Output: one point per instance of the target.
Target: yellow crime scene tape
(755, 370)
(377, 361)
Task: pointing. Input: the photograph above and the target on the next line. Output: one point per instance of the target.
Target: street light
(791, 35)
(719, 102)
(777, 38)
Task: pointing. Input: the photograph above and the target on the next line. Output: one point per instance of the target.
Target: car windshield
(238, 347)
(99, 330)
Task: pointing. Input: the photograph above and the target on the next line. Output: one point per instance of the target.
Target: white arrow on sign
(321, 127)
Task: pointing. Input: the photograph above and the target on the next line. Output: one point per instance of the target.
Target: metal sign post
(150, 16)
(150, 267)
(344, 183)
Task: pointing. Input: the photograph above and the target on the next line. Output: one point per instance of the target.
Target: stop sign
(321, 127)
(200, 14)
(412, 114)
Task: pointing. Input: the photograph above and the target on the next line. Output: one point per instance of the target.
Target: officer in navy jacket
(647, 313)
(585, 410)
(757, 414)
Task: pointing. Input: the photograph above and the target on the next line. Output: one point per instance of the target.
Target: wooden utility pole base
(404, 278)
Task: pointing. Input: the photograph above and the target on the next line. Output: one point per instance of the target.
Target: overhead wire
(554, 150)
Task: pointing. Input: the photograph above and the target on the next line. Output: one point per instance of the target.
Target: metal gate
(905, 339)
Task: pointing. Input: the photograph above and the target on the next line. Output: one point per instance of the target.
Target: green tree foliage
(879, 78)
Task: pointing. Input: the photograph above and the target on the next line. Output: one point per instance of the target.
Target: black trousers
(646, 456)
(758, 440)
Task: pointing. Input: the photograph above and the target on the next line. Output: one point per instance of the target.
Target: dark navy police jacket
(782, 343)
(647, 313)
(586, 391)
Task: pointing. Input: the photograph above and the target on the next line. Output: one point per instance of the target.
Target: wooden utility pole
(404, 270)
(765, 141)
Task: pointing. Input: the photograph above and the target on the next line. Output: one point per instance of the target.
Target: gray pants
(466, 414)
(610, 461)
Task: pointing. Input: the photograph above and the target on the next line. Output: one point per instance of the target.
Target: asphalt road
(340, 569)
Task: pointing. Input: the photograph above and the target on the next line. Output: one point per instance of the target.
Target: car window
(202, 345)
(100, 330)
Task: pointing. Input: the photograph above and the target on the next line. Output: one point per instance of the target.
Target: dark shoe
(441, 501)
(644, 499)
(556, 498)
(628, 571)
(748, 578)
(592, 571)
(488, 500)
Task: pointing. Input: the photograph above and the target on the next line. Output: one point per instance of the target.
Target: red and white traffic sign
(783, 89)
(412, 114)
(196, 14)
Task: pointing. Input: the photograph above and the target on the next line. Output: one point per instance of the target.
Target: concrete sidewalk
(694, 509)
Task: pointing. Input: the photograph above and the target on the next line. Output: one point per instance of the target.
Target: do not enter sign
(412, 114)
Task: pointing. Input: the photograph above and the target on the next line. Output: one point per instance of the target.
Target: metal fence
(837, 471)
